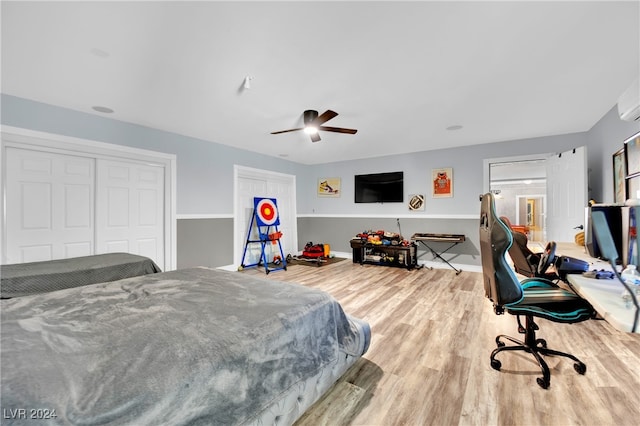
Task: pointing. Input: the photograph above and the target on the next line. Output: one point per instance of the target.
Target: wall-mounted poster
(442, 182)
(329, 187)
(416, 202)
(619, 177)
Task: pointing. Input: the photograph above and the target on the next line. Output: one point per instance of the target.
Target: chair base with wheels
(531, 298)
(536, 347)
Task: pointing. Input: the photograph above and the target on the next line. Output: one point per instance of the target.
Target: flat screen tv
(379, 188)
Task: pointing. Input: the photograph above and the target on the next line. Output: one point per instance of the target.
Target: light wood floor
(428, 364)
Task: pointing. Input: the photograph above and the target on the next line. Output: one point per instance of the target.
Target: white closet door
(282, 192)
(251, 183)
(247, 189)
(129, 209)
(49, 206)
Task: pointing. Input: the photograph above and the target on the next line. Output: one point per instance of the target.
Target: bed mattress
(22, 279)
(187, 347)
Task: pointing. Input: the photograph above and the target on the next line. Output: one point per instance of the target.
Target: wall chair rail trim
(392, 216)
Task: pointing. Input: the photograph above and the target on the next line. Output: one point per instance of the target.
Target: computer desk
(605, 295)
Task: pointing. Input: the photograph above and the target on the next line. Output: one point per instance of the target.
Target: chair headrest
(500, 282)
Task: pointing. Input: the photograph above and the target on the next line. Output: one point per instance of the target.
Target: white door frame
(486, 181)
(486, 165)
(43, 141)
(249, 172)
(548, 205)
(544, 206)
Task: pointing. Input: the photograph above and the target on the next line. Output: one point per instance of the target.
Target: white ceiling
(399, 72)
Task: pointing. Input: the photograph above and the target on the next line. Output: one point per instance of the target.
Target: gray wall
(205, 180)
(467, 164)
(338, 231)
(336, 220)
(204, 242)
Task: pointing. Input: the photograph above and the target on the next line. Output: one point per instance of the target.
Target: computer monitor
(608, 251)
(613, 217)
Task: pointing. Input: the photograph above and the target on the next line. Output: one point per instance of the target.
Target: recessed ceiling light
(454, 127)
(102, 109)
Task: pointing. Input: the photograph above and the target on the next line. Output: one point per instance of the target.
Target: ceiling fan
(313, 123)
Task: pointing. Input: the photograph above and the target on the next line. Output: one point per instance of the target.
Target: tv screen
(379, 188)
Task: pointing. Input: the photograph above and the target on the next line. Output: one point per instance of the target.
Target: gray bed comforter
(24, 279)
(194, 346)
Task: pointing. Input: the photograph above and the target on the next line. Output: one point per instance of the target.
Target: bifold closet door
(130, 209)
(49, 205)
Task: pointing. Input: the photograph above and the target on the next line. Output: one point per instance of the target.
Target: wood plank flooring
(428, 364)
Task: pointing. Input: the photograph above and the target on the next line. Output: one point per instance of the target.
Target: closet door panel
(49, 205)
(129, 209)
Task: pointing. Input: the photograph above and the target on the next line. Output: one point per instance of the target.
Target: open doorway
(531, 213)
(557, 184)
(520, 188)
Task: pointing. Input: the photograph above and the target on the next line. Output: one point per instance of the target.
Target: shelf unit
(384, 255)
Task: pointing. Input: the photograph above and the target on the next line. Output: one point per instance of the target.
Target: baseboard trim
(423, 263)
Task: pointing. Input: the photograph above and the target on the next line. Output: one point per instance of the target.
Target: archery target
(266, 211)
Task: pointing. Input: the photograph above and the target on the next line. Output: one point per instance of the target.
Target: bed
(23, 279)
(188, 347)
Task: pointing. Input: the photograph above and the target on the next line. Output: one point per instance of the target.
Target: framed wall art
(442, 182)
(632, 152)
(416, 202)
(619, 176)
(633, 183)
(329, 187)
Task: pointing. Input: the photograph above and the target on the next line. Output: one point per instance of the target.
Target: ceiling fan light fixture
(313, 123)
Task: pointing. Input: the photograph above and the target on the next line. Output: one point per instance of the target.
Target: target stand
(266, 220)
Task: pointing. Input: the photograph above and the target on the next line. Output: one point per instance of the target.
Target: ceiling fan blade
(315, 137)
(285, 131)
(324, 117)
(338, 130)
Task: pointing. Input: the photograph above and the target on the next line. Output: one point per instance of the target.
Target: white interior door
(566, 194)
(247, 189)
(129, 209)
(282, 192)
(250, 183)
(49, 206)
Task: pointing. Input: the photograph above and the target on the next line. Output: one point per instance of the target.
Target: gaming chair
(525, 262)
(531, 298)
